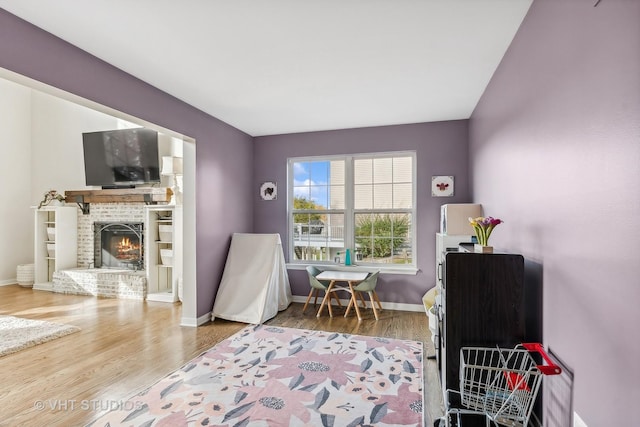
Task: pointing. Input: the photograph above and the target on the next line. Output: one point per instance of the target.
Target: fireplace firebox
(118, 245)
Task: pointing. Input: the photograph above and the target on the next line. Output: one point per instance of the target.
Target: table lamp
(172, 166)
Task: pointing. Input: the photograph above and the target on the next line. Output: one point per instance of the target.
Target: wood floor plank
(124, 346)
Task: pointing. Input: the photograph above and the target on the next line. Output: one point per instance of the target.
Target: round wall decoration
(268, 190)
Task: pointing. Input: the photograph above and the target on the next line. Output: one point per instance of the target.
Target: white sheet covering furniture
(255, 284)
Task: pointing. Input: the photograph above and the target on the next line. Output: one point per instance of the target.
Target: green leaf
(365, 365)
(357, 422)
(408, 367)
(327, 420)
(321, 398)
(270, 355)
(295, 350)
(394, 378)
(240, 349)
(332, 337)
(170, 389)
(378, 413)
(296, 381)
(379, 357)
(237, 411)
(309, 387)
(239, 396)
(242, 423)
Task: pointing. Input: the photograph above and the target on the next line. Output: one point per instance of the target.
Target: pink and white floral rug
(274, 376)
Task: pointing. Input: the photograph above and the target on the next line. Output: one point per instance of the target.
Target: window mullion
(349, 217)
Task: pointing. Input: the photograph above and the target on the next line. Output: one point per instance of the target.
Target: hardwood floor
(125, 346)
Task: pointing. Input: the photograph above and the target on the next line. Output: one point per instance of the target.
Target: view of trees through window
(357, 202)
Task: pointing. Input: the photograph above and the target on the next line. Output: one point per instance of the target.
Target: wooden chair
(319, 285)
(368, 285)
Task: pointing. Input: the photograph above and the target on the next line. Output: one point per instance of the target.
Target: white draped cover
(255, 284)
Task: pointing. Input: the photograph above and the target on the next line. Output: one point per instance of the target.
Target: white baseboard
(204, 318)
(8, 282)
(577, 421)
(385, 305)
(47, 286)
(194, 322)
(190, 322)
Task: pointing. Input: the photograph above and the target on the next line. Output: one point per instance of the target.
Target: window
(362, 202)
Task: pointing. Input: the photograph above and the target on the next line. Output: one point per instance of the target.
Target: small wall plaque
(441, 186)
(269, 190)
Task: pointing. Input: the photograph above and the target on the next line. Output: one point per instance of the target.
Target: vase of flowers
(52, 197)
(483, 226)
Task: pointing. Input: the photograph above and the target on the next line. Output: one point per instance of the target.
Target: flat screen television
(121, 158)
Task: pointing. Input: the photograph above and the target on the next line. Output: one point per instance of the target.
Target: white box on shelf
(166, 256)
(165, 232)
(51, 250)
(51, 234)
(454, 217)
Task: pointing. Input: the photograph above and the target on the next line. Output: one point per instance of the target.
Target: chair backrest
(368, 284)
(312, 272)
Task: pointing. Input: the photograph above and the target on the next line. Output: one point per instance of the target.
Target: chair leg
(354, 297)
(326, 300)
(309, 299)
(373, 305)
(377, 300)
(362, 300)
(315, 300)
(337, 299)
(328, 296)
(346, 313)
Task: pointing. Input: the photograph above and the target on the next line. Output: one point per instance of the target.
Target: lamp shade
(171, 165)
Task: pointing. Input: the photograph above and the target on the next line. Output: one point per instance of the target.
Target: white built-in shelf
(162, 279)
(64, 219)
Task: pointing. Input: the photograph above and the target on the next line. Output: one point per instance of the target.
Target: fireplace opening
(118, 245)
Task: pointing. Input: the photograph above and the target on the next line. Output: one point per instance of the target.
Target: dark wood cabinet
(482, 304)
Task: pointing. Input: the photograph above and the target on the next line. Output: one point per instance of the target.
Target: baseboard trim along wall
(194, 322)
(8, 282)
(385, 305)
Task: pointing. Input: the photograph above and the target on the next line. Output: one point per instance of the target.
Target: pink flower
(276, 402)
(316, 368)
(483, 227)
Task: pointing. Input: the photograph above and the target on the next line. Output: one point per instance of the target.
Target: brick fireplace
(102, 213)
(122, 274)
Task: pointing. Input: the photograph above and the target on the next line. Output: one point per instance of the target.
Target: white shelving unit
(163, 232)
(55, 246)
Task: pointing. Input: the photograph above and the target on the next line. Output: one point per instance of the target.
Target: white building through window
(364, 203)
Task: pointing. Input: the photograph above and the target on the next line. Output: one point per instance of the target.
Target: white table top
(343, 276)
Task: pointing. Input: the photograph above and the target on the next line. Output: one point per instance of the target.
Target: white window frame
(350, 211)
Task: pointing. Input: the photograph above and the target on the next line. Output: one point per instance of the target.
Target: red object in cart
(501, 384)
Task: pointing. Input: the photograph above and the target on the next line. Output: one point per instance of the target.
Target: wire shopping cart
(501, 384)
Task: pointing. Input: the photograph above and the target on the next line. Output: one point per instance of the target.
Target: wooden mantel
(149, 195)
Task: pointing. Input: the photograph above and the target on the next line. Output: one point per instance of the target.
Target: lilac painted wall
(223, 153)
(555, 152)
(441, 149)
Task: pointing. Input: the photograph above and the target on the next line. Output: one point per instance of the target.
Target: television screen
(121, 158)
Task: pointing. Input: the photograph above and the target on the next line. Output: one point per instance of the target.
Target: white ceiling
(282, 66)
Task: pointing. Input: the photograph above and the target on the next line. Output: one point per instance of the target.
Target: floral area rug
(18, 333)
(274, 376)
